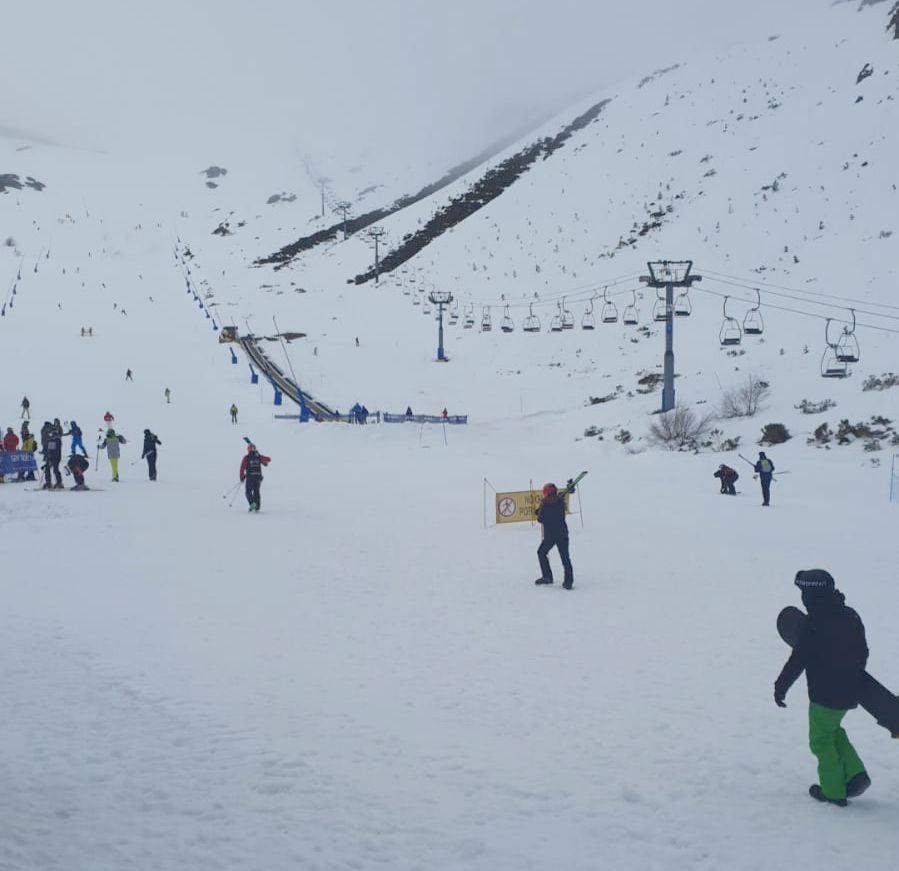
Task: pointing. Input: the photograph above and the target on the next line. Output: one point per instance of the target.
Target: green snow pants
(838, 762)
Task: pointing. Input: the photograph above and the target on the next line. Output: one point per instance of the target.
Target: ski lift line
(542, 302)
(749, 284)
(799, 311)
(578, 293)
(807, 301)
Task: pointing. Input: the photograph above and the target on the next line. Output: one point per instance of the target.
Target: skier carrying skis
(833, 652)
(149, 453)
(764, 468)
(75, 433)
(251, 472)
(77, 465)
(112, 444)
(551, 514)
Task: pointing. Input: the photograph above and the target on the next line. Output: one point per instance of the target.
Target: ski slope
(364, 676)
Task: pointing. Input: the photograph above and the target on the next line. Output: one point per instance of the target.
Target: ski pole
(235, 494)
(231, 490)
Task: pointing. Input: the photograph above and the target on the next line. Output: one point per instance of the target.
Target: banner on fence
(518, 506)
(13, 462)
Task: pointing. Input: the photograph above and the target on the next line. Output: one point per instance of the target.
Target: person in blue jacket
(764, 468)
(75, 433)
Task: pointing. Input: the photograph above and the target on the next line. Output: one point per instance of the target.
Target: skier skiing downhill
(551, 514)
(251, 472)
(833, 652)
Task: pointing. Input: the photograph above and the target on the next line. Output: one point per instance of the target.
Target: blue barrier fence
(13, 462)
(425, 418)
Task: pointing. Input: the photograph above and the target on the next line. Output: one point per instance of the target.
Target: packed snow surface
(364, 675)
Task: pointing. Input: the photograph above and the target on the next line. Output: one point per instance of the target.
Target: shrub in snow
(806, 406)
(623, 436)
(888, 379)
(679, 429)
(10, 242)
(745, 400)
(717, 442)
(774, 434)
(822, 435)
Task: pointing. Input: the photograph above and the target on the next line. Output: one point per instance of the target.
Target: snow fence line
(425, 418)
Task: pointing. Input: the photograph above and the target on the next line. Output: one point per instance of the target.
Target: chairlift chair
(609, 310)
(847, 349)
(555, 325)
(531, 322)
(683, 308)
(588, 322)
(567, 317)
(831, 364)
(730, 332)
(486, 323)
(507, 325)
(630, 316)
(659, 308)
(753, 324)
(468, 322)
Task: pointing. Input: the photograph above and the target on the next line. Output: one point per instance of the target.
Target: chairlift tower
(376, 234)
(343, 208)
(669, 274)
(440, 298)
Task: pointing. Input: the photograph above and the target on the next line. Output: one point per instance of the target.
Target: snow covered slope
(363, 675)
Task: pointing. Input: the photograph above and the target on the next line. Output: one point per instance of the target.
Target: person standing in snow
(28, 444)
(833, 652)
(108, 418)
(10, 440)
(551, 515)
(26, 408)
(251, 472)
(75, 433)
(51, 448)
(728, 478)
(168, 395)
(233, 410)
(128, 375)
(764, 468)
(112, 444)
(149, 452)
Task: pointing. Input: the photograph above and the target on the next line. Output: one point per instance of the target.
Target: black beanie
(815, 580)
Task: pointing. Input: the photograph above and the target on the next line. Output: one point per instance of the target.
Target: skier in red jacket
(251, 472)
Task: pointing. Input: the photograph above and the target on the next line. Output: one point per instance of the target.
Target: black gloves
(779, 699)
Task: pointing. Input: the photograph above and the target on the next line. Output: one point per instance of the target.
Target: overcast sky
(449, 76)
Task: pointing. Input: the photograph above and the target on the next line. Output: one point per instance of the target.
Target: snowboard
(64, 490)
(873, 696)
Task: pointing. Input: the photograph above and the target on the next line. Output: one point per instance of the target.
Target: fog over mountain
(356, 76)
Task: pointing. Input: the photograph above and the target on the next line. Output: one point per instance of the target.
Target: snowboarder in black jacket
(551, 514)
(77, 465)
(149, 452)
(728, 478)
(833, 652)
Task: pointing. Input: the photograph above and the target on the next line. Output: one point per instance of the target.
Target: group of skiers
(764, 469)
(51, 449)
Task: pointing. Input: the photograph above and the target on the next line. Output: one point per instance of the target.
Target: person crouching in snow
(113, 451)
(551, 514)
(77, 465)
(728, 478)
(833, 652)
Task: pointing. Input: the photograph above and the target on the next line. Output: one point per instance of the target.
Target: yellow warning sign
(519, 506)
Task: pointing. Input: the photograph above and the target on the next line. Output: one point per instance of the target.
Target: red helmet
(549, 490)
